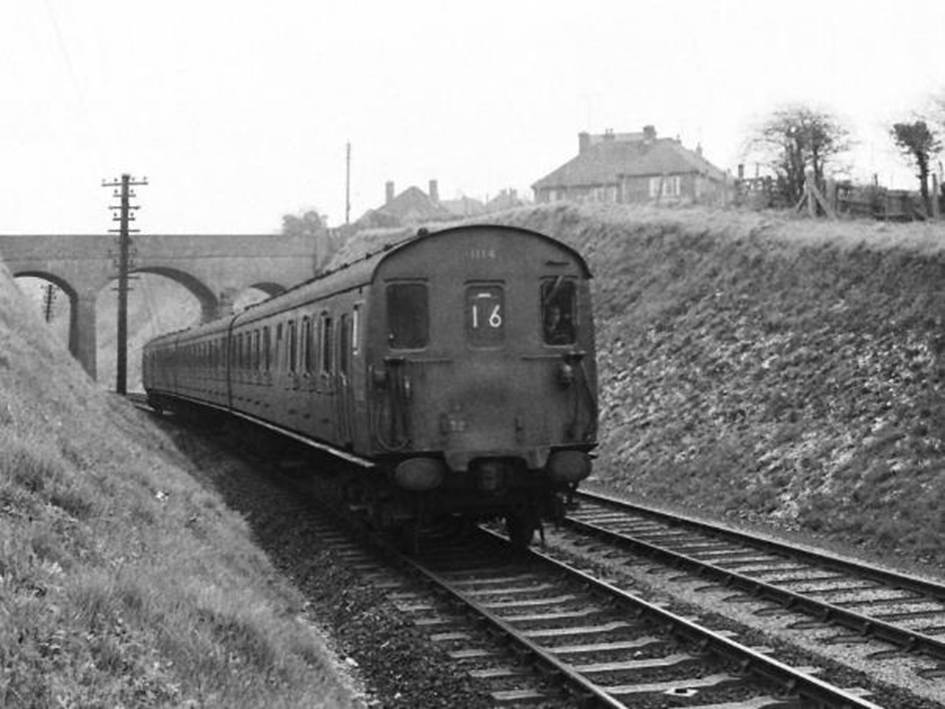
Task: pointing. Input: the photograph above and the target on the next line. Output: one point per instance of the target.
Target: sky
(239, 112)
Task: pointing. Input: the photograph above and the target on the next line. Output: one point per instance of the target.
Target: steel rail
(872, 627)
(886, 576)
(749, 661)
(589, 694)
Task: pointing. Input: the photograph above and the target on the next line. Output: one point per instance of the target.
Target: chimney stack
(389, 192)
(434, 192)
(649, 132)
(584, 141)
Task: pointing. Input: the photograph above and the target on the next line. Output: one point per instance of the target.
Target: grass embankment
(775, 368)
(122, 582)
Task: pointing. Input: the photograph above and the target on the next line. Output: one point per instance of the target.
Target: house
(506, 199)
(464, 206)
(633, 168)
(411, 207)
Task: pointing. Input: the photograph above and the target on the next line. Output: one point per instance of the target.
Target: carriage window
(326, 343)
(408, 316)
(485, 315)
(293, 347)
(256, 350)
(355, 323)
(558, 301)
(278, 348)
(344, 340)
(266, 347)
(308, 353)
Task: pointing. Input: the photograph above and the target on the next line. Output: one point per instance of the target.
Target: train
(454, 371)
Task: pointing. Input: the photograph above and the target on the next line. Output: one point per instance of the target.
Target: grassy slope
(122, 582)
(771, 368)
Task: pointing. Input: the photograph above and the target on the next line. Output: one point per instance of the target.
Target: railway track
(529, 629)
(602, 645)
(903, 611)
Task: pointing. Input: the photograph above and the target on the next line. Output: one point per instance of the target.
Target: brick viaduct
(215, 268)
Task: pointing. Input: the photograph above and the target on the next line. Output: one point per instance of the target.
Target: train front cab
(485, 389)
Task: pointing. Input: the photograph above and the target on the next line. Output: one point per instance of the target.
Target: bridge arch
(72, 294)
(209, 301)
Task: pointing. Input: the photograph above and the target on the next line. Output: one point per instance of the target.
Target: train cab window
(558, 311)
(485, 315)
(327, 343)
(408, 316)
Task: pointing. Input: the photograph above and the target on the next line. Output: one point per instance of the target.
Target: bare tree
(796, 139)
(917, 141)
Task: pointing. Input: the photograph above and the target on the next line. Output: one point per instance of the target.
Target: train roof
(356, 273)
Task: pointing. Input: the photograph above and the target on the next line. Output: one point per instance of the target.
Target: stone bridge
(214, 267)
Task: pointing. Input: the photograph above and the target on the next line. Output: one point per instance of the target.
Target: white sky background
(238, 112)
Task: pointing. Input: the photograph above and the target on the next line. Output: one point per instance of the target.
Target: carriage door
(344, 398)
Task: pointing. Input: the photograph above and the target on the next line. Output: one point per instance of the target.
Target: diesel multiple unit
(454, 369)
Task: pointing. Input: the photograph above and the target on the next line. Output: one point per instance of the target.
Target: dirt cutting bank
(771, 368)
(123, 582)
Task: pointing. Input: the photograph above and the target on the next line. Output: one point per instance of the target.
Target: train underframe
(492, 488)
(407, 496)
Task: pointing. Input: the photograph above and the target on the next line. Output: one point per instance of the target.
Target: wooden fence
(838, 199)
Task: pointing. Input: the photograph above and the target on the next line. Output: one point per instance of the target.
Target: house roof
(412, 206)
(606, 161)
(506, 199)
(463, 206)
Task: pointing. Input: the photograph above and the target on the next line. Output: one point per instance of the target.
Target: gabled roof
(506, 199)
(605, 162)
(412, 206)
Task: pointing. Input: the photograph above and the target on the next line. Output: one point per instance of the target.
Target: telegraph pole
(49, 297)
(348, 182)
(124, 217)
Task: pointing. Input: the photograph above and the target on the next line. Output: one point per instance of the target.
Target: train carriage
(456, 369)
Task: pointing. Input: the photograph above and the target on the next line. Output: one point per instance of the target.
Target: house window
(665, 186)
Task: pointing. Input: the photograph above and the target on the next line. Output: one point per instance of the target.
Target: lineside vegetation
(122, 582)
